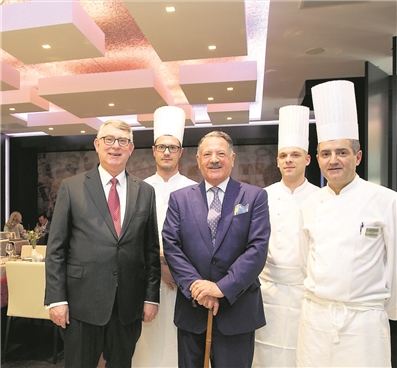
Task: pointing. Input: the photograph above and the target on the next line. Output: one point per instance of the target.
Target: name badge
(372, 231)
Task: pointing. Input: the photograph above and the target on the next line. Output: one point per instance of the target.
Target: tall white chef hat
(293, 127)
(169, 120)
(335, 110)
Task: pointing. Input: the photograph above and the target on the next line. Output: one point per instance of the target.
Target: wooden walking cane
(208, 339)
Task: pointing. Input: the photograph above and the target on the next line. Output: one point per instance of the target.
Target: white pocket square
(240, 209)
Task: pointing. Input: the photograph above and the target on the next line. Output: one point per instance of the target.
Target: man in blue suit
(218, 269)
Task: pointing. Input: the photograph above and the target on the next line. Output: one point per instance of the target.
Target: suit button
(114, 273)
(213, 261)
(118, 247)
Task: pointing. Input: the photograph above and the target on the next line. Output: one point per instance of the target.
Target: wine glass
(10, 249)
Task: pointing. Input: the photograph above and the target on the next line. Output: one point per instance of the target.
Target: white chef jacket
(349, 257)
(281, 279)
(157, 346)
(163, 190)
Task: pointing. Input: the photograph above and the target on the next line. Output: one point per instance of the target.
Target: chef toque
(335, 110)
(169, 120)
(293, 127)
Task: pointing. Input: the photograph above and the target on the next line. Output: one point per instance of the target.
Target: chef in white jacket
(158, 343)
(282, 279)
(348, 248)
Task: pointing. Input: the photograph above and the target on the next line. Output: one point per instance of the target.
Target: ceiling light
(111, 104)
(230, 88)
(46, 46)
(210, 99)
(212, 47)
(170, 9)
(315, 51)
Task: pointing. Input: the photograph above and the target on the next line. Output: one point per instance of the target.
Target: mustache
(217, 165)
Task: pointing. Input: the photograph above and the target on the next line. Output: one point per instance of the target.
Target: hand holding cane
(208, 339)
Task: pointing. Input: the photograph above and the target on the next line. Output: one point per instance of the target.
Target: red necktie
(114, 206)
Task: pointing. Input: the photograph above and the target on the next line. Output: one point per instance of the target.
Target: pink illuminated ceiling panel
(186, 33)
(228, 114)
(63, 25)
(89, 95)
(199, 82)
(23, 100)
(63, 123)
(9, 77)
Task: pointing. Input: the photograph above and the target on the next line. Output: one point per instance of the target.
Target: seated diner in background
(43, 227)
(14, 225)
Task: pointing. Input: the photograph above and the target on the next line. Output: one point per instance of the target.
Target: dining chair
(26, 287)
(27, 250)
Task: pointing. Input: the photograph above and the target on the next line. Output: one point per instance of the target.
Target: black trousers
(84, 343)
(227, 351)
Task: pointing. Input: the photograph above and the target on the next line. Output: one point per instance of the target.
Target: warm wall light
(210, 99)
(170, 9)
(111, 104)
(229, 118)
(12, 108)
(83, 131)
(50, 128)
(230, 88)
(46, 46)
(212, 47)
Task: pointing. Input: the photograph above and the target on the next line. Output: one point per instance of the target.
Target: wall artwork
(254, 164)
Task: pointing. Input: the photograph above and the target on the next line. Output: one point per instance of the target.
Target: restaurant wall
(33, 158)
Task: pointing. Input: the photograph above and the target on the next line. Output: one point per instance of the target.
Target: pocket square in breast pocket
(240, 209)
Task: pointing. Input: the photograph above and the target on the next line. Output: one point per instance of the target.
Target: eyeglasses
(162, 148)
(109, 141)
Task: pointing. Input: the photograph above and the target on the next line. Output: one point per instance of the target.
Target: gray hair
(217, 134)
(119, 124)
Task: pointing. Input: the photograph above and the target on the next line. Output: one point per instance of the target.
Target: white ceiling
(139, 57)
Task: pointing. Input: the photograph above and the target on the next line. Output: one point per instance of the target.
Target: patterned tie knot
(214, 213)
(114, 181)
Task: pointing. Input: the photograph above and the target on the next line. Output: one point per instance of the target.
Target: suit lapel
(132, 197)
(199, 207)
(232, 197)
(95, 189)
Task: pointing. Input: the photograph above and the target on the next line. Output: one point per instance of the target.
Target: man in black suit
(102, 281)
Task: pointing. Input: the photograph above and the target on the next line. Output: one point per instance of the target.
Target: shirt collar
(222, 185)
(172, 178)
(105, 177)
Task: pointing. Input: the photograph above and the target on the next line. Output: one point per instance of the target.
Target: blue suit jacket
(234, 263)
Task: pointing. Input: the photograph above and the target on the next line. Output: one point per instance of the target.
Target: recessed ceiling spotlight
(12, 108)
(212, 47)
(210, 99)
(46, 46)
(50, 128)
(315, 51)
(170, 9)
(229, 118)
(111, 104)
(230, 88)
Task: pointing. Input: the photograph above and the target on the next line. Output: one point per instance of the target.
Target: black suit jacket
(86, 262)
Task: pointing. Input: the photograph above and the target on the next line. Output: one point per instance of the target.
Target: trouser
(84, 343)
(227, 351)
